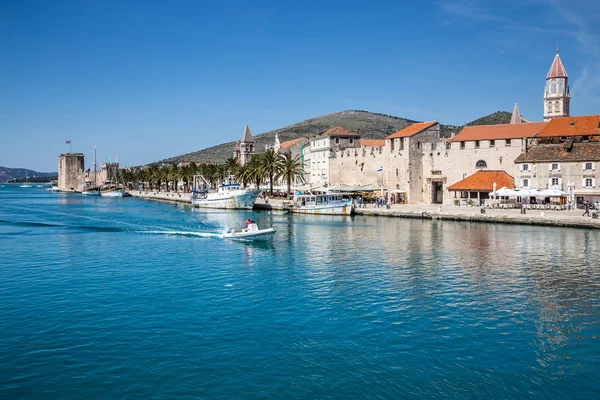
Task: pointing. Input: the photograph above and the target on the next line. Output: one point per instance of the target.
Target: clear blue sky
(147, 80)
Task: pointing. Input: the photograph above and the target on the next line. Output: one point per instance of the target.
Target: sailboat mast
(95, 165)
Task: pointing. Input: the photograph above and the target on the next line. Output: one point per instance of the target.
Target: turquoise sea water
(122, 298)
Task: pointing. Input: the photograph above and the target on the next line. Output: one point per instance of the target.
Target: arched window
(549, 107)
(481, 164)
(556, 106)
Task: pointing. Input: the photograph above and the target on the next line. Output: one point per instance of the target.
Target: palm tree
(232, 164)
(163, 176)
(256, 173)
(270, 161)
(289, 167)
(244, 174)
(174, 175)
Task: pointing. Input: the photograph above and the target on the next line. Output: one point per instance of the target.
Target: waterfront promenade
(429, 211)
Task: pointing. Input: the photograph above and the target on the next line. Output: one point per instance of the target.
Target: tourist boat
(112, 191)
(230, 196)
(323, 204)
(89, 189)
(251, 232)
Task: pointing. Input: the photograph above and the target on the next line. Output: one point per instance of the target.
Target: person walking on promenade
(587, 209)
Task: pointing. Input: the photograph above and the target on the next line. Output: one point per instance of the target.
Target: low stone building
(476, 188)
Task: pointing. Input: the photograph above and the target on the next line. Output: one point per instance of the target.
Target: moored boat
(89, 189)
(112, 191)
(230, 196)
(251, 232)
(323, 204)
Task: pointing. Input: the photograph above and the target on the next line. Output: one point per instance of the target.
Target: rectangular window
(392, 144)
(337, 140)
(477, 144)
(462, 145)
(525, 182)
(554, 181)
(554, 167)
(448, 146)
(508, 142)
(589, 166)
(492, 143)
(525, 167)
(351, 141)
(589, 182)
(418, 145)
(401, 144)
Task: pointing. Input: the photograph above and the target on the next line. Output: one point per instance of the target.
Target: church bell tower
(556, 93)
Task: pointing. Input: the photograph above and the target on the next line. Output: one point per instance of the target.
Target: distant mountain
(497, 118)
(18, 174)
(369, 125)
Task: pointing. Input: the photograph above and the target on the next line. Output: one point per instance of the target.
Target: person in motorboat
(248, 222)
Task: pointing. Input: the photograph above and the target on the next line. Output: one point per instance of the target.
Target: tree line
(269, 166)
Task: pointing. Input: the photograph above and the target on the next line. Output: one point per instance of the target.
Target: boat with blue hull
(229, 196)
(322, 204)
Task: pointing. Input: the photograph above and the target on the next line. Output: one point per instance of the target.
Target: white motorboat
(251, 232)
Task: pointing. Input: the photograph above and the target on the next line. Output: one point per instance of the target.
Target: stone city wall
(356, 166)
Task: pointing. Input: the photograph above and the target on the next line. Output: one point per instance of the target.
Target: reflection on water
(146, 296)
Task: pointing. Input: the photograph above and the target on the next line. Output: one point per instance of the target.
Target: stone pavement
(572, 218)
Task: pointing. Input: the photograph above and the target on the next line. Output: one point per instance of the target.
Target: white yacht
(230, 196)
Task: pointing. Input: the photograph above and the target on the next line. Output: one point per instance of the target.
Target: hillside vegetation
(10, 174)
(369, 125)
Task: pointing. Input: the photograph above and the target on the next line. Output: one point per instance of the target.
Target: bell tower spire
(557, 96)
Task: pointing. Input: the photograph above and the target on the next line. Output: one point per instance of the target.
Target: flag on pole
(380, 169)
(67, 142)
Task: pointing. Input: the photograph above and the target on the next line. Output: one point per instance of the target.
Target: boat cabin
(303, 200)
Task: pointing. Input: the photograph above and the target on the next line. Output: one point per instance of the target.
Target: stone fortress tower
(556, 93)
(246, 147)
(70, 171)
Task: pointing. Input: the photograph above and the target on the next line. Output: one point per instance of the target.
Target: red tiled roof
(339, 131)
(290, 143)
(587, 125)
(412, 129)
(557, 70)
(372, 142)
(561, 153)
(504, 131)
(483, 181)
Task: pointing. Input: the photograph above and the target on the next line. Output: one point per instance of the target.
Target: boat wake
(184, 233)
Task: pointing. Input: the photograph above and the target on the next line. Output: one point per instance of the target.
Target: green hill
(369, 125)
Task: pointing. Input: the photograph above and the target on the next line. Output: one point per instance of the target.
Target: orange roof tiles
(412, 129)
(504, 131)
(372, 142)
(339, 131)
(586, 125)
(483, 181)
(289, 143)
